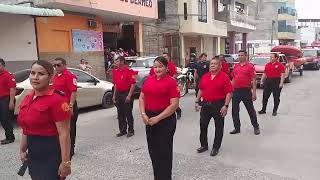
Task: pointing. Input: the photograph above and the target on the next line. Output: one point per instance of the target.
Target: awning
(17, 9)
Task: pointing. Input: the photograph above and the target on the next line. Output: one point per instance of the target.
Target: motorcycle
(185, 80)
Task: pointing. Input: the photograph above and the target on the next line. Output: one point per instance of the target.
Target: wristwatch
(226, 105)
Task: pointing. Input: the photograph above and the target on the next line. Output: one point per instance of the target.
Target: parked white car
(91, 90)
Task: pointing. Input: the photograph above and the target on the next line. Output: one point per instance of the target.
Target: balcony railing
(228, 16)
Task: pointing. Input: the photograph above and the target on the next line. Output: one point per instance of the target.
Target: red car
(312, 58)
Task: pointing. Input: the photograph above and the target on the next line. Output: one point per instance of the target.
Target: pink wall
(130, 7)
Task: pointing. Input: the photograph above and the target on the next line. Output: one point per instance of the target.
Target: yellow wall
(54, 33)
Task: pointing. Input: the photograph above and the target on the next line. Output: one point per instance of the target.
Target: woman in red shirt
(44, 118)
(159, 99)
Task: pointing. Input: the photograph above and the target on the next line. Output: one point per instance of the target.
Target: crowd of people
(48, 115)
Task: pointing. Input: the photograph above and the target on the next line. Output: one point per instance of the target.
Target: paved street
(286, 149)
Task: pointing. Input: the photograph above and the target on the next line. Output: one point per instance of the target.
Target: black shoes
(214, 152)
(121, 134)
(7, 141)
(274, 113)
(261, 112)
(235, 131)
(202, 149)
(130, 134)
(256, 131)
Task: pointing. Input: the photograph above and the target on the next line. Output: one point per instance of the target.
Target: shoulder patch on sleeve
(65, 107)
(74, 80)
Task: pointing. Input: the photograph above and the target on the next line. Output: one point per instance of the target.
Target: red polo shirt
(243, 75)
(217, 88)
(123, 78)
(65, 82)
(225, 67)
(171, 67)
(7, 81)
(274, 70)
(157, 93)
(38, 115)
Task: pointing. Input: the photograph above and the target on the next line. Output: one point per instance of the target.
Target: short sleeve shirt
(123, 78)
(158, 92)
(225, 68)
(7, 81)
(274, 70)
(215, 89)
(243, 75)
(202, 68)
(65, 82)
(38, 115)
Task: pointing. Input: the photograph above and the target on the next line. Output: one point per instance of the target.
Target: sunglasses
(57, 65)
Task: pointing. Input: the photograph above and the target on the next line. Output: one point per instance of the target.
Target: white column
(218, 50)
(182, 51)
(201, 45)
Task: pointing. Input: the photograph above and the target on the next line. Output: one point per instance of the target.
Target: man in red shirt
(66, 82)
(244, 83)
(224, 65)
(7, 95)
(124, 83)
(215, 89)
(272, 82)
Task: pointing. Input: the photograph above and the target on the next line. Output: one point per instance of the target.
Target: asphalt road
(287, 148)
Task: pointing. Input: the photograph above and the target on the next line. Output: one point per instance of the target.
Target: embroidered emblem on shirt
(65, 107)
(75, 81)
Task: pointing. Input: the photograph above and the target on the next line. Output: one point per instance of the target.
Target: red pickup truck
(312, 57)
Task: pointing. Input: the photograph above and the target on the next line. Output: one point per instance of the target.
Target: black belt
(212, 102)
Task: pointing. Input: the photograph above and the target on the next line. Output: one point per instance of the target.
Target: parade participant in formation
(201, 68)
(124, 80)
(224, 65)
(159, 99)
(244, 83)
(272, 82)
(172, 71)
(7, 95)
(66, 82)
(44, 118)
(215, 89)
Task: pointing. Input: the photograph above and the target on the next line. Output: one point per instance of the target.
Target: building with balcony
(277, 25)
(89, 27)
(185, 27)
(240, 20)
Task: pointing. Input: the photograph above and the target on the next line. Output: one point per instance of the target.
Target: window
(202, 10)
(161, 9)
(185, 11)
(82, 77)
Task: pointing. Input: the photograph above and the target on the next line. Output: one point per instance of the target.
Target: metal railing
(229, 16)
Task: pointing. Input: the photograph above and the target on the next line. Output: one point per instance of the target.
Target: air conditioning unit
(225, 2)
(92, 23)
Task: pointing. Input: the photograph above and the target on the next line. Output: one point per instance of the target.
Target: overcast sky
(308, 9)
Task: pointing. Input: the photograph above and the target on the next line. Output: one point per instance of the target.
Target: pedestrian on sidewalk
(82, 65)
(215, 89)
(44, 118)
(124, 83)
(201, 68)
(244, 84)
(159, 99)
(7, 96)
(66, 82)
(272, 82)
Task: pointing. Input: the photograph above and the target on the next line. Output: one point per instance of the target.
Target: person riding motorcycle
(191, 67)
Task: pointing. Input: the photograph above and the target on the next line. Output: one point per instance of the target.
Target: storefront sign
(146, 3)
(87, 41)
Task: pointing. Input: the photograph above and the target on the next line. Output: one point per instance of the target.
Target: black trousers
(125, 117)
(160, 145)
(271, 85)
(244, 95)
(44, 157)
(73, 127)
(5, 115)
(208, 111)
(197, 86)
